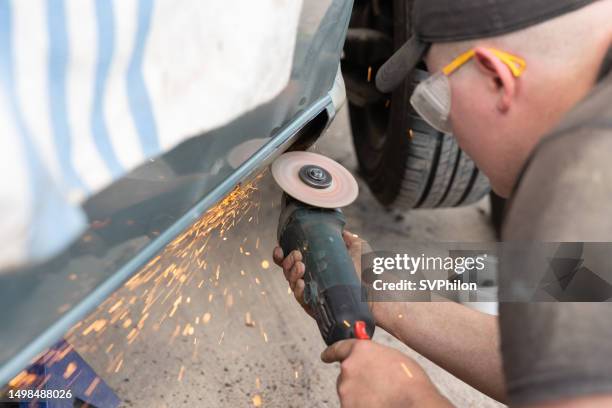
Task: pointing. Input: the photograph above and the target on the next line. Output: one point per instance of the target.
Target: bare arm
(461, 340)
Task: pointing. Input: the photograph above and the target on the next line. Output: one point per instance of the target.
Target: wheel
(405, 162)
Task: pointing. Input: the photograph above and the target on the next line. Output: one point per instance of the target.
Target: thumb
(338, 351)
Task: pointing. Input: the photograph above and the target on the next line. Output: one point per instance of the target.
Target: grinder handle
(332, 288)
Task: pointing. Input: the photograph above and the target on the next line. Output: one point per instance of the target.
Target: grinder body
(332, 289)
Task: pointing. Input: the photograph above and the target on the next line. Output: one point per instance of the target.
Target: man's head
(498, 117)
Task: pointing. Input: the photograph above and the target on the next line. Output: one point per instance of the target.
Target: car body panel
(138, 215)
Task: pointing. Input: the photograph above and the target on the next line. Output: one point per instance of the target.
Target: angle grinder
(315, 187)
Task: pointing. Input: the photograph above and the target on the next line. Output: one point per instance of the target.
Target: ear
(502, 77)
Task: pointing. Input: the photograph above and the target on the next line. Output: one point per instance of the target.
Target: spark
(248, 321)
(116, 306)
(175, 305)
(406, 370)
(119, 364)
(265, 264)
(90, 389)
(257, 401)
(70, 369)
(132, 335)
(96, 326)
(188, 330)
(23, 380)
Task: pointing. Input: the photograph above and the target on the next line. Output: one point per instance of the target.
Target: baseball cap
(435, 21)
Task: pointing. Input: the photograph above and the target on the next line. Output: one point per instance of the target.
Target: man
(526, 87)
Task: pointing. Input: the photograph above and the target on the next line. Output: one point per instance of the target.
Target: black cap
(435, 21)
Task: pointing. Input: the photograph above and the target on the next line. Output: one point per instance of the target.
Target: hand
(373, 375)
(294, 268)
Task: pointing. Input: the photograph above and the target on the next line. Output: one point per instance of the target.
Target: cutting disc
(340, 191)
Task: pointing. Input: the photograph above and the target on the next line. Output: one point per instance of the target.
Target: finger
(350, 238)
(355, 244)
(293, 256)
(299, 292)
(277, 256)
(288, 273)
(338, 351)
(297, 272)
(294, 274)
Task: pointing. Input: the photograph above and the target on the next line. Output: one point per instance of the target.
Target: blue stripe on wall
(58, 64)
(7, 79)
(52, 221)
(106, 44)
(138, 97)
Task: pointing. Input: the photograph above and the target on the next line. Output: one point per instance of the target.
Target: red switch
(360, 330)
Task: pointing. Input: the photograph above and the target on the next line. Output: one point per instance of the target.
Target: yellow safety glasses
(432, 99)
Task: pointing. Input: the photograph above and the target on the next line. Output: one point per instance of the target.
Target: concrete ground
(239, 339)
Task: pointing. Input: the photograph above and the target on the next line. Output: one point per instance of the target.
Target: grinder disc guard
(315, 179)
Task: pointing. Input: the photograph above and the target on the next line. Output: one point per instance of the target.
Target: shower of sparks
(162, 283)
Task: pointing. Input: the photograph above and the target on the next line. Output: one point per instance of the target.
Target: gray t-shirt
(555, 351)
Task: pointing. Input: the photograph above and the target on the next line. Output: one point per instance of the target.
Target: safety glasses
(432, 97)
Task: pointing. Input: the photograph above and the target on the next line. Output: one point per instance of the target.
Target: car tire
(404, 161)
